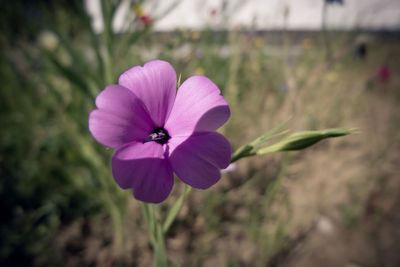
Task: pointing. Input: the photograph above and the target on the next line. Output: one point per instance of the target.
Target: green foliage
(53, 172)
(46, 180)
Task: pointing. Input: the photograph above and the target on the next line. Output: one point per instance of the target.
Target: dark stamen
(159, 135)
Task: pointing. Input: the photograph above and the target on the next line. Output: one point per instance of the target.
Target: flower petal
(197, 159)
(155, 85)
(121, 117)
(198, 107)
(144, 168)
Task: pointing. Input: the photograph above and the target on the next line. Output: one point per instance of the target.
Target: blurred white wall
(262, 14)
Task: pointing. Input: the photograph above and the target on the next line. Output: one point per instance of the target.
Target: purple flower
(158, 131)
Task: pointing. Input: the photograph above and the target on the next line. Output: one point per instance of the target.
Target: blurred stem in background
(108, 10)
(232, 90)
(324, 31)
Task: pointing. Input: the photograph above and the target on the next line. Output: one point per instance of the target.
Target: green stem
(160, 251)
(157, 231)
(156, 235)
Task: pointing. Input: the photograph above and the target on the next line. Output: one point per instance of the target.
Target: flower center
(159, 135)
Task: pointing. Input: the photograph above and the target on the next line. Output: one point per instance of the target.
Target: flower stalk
(156, 235)
(157, 230)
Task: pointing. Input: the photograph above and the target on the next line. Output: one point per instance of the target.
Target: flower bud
(304, 139)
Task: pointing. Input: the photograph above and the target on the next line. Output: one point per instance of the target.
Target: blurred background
(325, 63)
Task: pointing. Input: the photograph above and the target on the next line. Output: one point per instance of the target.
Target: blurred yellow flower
(196, 35)
(308, 43)
(138, 9)
(199, 71)
(332, 77)
(259, 42)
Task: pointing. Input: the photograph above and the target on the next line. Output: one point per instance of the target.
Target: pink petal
(121, 117)
(197, 159)
(144, 168)
(198, 107)
(155, 85)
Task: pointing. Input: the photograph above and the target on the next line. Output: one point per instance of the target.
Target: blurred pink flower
(213, 12)
(383, 73)
(146, 19)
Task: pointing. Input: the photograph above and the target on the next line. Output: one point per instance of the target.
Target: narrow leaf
(173, 212)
